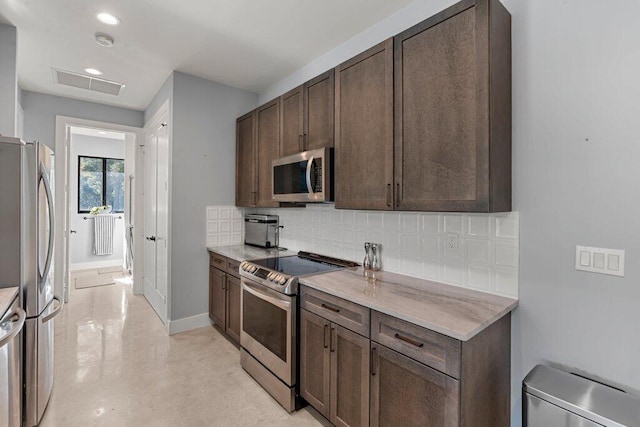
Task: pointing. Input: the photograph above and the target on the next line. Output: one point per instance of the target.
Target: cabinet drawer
(426, 346)
(218, 261)
(233, 267)
(342, 312)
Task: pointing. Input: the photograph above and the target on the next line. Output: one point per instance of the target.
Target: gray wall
(165, 92)
(8, 80)
(203, 173)
(81, 243)
(574, 78)
(40, 112)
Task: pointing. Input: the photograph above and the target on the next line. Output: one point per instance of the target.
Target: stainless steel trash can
(551, 397)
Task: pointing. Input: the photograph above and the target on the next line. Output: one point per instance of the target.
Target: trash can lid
(597, 402)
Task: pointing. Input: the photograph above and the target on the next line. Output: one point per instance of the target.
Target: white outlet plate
(600, 260)
(453, 240)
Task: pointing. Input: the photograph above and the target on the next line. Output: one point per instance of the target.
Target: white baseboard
(188, 323)
(96, 264)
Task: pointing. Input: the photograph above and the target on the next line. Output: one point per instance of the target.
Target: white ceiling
(248, 44)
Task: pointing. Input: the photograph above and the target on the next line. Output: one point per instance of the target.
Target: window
(100, 183)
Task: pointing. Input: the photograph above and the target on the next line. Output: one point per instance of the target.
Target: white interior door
(156, 207)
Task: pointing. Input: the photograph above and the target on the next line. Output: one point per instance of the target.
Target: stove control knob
(243, 265)
(270, 276)
(282, 280)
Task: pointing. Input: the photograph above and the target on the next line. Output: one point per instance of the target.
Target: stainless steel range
(269, 319)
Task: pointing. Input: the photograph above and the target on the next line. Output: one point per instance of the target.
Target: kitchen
(573, 79)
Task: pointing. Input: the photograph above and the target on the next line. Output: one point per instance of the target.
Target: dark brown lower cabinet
(407, 393)
(334, 370)
(224, 295)
(217, 296)
(232, 324)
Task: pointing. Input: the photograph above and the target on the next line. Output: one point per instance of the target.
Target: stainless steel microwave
(303, 177)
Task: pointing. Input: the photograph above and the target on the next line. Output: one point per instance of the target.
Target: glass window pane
(90, 185)
(115, 184)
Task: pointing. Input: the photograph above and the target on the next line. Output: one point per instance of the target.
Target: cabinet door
(443, 160)
(364, 130)
(319, 95)
(349, 378)
(233, 308)
(315, 361)
(245, 160)
(217, 296)
(268, 131)
(291, 122)
(407, 393)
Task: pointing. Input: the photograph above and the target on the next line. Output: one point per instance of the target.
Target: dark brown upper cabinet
(453, 111)
(245, 160)
(268, 138)
(307, 116)
(364, 130)
(318, 111)
(291, 122)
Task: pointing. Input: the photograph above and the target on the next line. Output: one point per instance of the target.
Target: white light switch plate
(600, 260)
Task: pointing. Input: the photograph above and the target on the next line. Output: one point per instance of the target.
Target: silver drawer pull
(335, 310)
(409, 340)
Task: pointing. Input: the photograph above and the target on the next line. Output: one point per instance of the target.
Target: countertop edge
(259, 252)
(418, 322)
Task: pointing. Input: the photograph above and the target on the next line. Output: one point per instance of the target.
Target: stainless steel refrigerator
(27, 227)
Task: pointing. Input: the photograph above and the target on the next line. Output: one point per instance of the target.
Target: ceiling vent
(81, 81)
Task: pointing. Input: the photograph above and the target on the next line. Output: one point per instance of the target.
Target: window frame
(104, 181)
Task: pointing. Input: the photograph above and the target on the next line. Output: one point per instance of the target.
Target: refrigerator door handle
(47, 188)
(55, 312)
(18, 317)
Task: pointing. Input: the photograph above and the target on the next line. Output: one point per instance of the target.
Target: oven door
(269, 329)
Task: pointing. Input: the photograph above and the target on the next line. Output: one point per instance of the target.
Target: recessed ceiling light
(101, 132)
(108, 18)
(93, 71)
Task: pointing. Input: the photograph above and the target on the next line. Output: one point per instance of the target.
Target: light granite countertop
(6, 298)
(450, 310)
(246, 252)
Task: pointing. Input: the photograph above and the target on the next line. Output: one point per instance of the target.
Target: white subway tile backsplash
(430, 246)
(453, 224)
(506, 254)
(225, 226)
(431, 223)
(479, 277)
(506, 282)
(414, 243)
(507, 226)
(479, 225)
(479, 250)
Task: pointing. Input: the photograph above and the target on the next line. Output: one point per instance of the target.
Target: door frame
(61, 244)
(154, 122)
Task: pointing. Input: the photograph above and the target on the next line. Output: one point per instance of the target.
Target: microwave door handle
(309, 165)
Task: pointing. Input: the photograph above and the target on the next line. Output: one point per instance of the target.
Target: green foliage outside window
(100, 182)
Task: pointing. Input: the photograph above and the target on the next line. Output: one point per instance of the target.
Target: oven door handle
(267, 295)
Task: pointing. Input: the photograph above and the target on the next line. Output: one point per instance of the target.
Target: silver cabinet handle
(56, 311)
(17, 316)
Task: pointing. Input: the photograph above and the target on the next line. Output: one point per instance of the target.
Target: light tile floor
(116, 366)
